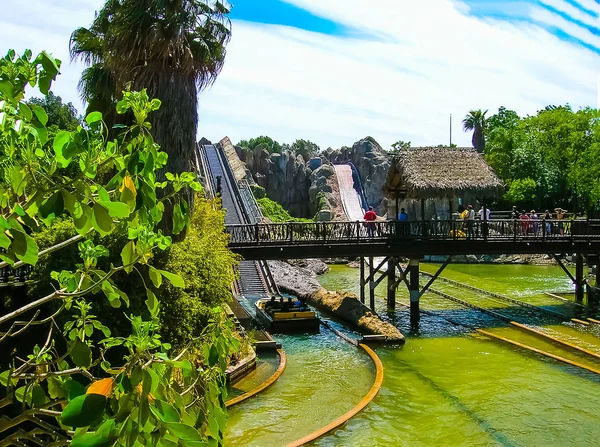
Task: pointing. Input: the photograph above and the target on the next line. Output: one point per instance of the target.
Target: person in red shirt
(370, 216)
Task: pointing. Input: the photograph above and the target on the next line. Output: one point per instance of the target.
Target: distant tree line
(306, 148)
(547, 160)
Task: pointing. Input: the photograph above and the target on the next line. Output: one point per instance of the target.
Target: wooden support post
(371, 285)
(362, 280)
(413, 268)
(579, 278)
(391, 285)
(423, 224)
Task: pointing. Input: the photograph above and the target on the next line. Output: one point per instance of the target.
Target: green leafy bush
(274, 211)
(521, 190)
(206, 266)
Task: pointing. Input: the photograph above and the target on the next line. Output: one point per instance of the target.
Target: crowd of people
(529, 223)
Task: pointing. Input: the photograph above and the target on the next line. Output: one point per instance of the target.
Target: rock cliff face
(372, 163)
(308, 186)
(285, 178)
(324, 194)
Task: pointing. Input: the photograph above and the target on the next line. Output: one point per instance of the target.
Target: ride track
(514, 324)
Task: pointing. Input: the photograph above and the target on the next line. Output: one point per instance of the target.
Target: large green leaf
(53, 206)
(152, 303)
(184, 432)
(24, 246)
(105, 436)
(81, 354)
(178, 219)
(101, 220)
(61, 140)
(93, 117)
(83, 223)
(127, 256)
(155, 276)
(74, 388)
(40, 114)
(176, 280)
(118, 210)
(83, 410)
(164, 411)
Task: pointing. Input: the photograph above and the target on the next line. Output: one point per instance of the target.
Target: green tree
(305, 148)
(173, 49)
(521, 191)
(147, 396)
(262, 142)
(504, 135)
(398, 145)
(555, 149)
(475, 121)
(60, 116)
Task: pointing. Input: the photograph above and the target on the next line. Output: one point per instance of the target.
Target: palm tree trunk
(173, 126)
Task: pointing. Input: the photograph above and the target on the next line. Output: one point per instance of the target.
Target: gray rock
(372, 163)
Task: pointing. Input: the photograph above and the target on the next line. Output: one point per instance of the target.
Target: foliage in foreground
(149, 396)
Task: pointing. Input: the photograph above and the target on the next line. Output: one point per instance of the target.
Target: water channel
(449, 385)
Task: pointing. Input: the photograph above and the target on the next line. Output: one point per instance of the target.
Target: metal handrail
(254, 211)
(442, 230)
(232, 184)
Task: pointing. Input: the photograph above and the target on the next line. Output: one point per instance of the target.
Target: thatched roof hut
(432, 172)
(445, 178)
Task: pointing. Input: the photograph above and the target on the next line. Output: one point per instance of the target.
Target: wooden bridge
(393, 240)
(413, 239)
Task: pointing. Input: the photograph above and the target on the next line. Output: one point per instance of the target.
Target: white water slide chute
(353, 199)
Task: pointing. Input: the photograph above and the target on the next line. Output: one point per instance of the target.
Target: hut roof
(429, 172)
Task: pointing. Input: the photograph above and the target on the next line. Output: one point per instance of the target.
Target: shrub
(206, 265)
(274, 211)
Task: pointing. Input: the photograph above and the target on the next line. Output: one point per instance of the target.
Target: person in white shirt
(487, 213)
(470, 221)
(484, 223)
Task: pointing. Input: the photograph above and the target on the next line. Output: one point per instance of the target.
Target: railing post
(544, 230)
(256, 232)
(291, 228)
(358, 231)
(515, 230)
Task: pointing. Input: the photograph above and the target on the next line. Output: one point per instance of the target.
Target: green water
(447, 386)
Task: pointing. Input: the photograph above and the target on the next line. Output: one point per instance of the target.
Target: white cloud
(288, 83)
(435, 61)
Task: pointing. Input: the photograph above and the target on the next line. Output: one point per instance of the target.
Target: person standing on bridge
(403, 218)
(370, 217)
(470, 218)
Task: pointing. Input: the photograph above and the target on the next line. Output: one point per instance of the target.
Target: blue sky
(334, 71)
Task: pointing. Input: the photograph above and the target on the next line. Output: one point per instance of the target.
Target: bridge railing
(364, 232)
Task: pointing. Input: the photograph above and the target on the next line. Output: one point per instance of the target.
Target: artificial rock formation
(308, 186)
(372, 163)
(285, 178)
(325, 201)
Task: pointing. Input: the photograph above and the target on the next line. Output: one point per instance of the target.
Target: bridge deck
(418, 238)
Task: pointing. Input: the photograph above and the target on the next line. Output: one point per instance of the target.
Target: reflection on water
(447, 386)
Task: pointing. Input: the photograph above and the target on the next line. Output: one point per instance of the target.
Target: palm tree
(475, 121)
(173, 48)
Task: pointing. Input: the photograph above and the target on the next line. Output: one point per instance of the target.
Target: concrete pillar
(362, 280)
(579, 278)
(413, 271)
(391, 287)
(371, 285)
